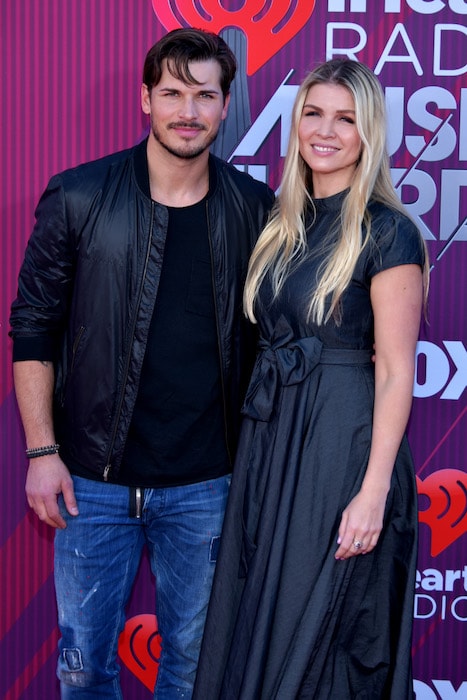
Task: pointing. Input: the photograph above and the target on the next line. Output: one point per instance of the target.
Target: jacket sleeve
(40, 309)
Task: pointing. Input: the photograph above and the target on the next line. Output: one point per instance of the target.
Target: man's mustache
(187, 125)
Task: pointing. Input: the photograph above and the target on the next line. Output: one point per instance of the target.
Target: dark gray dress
(286, 620)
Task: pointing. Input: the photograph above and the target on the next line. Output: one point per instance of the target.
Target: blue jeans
(96, 560)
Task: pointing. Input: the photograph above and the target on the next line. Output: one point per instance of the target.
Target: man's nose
(188, 108)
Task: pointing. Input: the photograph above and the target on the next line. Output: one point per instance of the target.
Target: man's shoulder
(247, 184)
(97, 168)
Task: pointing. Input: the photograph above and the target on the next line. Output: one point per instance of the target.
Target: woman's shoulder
(395, 238)
(388, 222)
(383, 215)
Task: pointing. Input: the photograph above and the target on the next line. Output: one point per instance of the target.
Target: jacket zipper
(219, 347)
(125, 374)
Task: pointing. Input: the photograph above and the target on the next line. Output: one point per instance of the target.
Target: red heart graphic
(446, 516)
(267, 28)
(139, 648)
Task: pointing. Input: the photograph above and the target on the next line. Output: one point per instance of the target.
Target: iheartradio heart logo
(446, 515)
(139, 647)
(268, 26)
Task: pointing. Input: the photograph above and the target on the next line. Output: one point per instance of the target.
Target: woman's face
(328, 138)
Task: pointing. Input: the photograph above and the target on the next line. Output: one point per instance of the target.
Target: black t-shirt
(177, 431)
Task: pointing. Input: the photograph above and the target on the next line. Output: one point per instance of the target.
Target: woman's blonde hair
(283, 240)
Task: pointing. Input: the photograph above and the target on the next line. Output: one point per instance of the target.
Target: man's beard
(188, 152)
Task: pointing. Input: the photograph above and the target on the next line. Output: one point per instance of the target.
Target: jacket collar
(140, 160)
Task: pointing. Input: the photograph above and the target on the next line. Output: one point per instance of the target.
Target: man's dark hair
(183, 46)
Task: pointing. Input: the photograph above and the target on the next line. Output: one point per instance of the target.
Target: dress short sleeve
(395, 240)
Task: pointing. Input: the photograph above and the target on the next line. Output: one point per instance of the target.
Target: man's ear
(226, 105)
(145, 99)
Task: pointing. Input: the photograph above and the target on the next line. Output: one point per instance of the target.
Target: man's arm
(47, 475)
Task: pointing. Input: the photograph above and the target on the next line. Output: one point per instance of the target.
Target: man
(131, 354)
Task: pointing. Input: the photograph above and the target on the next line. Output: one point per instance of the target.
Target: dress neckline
(332, 203)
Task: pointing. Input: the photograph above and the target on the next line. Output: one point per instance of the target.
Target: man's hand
(48, 477)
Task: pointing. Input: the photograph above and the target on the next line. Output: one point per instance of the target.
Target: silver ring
(357, 544)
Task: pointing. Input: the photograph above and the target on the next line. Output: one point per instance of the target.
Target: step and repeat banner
(71, 73)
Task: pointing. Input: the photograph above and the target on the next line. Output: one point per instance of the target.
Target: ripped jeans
(96, 560)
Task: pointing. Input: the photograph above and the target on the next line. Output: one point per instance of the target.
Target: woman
(313, 592)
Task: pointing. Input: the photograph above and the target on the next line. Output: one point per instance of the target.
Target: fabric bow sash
(285, 360)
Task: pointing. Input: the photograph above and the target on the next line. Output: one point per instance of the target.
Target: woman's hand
(361, 523)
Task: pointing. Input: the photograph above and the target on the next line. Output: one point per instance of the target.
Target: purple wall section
(70, 92)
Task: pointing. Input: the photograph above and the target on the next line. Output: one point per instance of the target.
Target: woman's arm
(396, 298)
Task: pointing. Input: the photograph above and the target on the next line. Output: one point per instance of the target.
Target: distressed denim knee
(78, 683)
(72, 659)
(71, 669)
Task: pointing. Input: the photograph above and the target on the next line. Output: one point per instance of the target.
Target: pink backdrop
(70, 92)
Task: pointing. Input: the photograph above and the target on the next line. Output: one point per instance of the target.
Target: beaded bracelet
(42, 451)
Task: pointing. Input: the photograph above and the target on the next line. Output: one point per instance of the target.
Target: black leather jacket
(88, 284)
